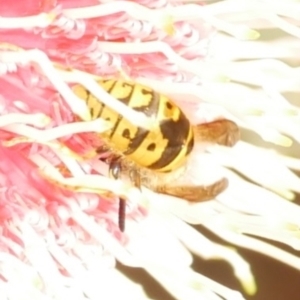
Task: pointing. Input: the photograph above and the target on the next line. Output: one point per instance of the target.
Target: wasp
(152, 157)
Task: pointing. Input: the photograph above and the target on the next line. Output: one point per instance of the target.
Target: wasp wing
(223, 132)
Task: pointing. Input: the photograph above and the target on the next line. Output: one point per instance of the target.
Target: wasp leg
(135, 177)
(222, 132)
(115, 169)
(193, 193)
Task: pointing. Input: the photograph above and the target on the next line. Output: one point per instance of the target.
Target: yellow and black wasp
(149, 157)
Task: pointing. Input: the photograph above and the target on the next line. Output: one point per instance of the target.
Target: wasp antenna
(122, 214)
(114, 172)
(223, 132)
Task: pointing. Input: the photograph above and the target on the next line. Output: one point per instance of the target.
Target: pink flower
(58, 206)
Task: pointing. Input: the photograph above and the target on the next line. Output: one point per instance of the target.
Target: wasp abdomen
(162, 149)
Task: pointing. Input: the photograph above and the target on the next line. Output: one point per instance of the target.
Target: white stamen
(233, 49)
(50, 134)
(39, 120)
(42, 20)
(72, 165)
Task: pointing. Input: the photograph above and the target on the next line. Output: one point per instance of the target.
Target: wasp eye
(151, 147)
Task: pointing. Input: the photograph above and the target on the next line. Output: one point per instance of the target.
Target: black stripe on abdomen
(125, 100)
(149, 110)
(176, 132)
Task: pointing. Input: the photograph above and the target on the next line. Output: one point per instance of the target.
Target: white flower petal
(201, 246)
(251, 199)
(254, 244)
(152, 232)
(186, 284)
(263, 167)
